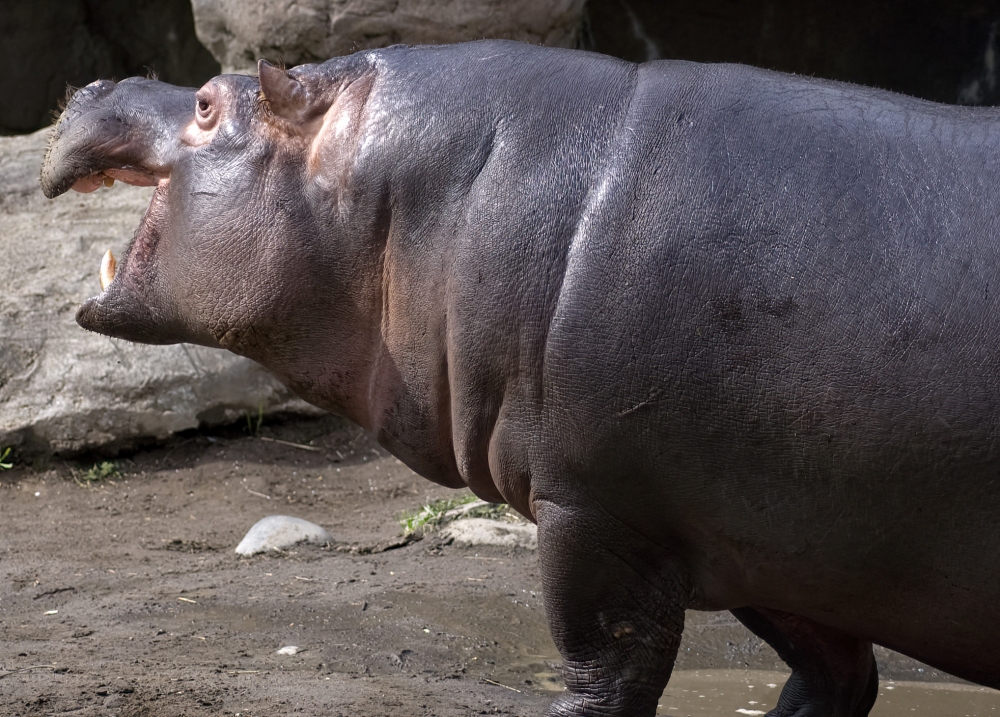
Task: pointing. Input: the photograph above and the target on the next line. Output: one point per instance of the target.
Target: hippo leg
(616, 612)
(833, 674)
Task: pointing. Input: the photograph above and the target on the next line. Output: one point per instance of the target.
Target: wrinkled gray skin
(730, 337)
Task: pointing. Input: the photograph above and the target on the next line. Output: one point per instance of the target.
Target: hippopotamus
(730, 337)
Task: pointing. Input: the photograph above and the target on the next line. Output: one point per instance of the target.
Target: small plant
(432, 513)
(254, 424)
(5, 463)
(493, 511)
(100, 471)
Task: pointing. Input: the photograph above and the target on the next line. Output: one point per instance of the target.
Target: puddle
(693, 693)
(549, 681)
(935, 698)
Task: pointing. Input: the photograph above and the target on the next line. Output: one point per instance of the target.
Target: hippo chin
(730, 337)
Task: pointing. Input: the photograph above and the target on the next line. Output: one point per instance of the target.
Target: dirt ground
(123, 596)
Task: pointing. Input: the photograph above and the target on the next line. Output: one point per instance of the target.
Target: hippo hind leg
(833, 674)
(615, 606)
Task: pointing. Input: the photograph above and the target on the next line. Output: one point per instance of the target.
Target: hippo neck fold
(453, 187)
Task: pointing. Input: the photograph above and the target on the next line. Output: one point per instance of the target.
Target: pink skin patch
(194, 136)
(134, 177)
(89, 183)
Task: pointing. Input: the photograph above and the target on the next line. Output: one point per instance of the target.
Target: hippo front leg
(615, 607)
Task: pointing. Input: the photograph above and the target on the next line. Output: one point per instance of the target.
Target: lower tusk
(109, 182)
(108, 265)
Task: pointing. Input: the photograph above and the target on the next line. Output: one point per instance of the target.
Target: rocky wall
(239, 32)
(942, 50)
(47, 44)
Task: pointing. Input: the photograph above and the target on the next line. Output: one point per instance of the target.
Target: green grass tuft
(433, 513)
(6, 464)
(254, 424)
(493, 511)
(100, 471)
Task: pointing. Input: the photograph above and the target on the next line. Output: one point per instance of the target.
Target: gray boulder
(65, 390)
(483, 531)
(239, 32)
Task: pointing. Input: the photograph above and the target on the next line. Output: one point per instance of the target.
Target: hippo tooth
(108, 265)
(109, 182)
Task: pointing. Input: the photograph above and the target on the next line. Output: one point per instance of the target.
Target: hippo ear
(284, 94)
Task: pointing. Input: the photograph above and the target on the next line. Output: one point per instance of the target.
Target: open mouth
(125, 131)
(87, 169)
(130, 132)
(132, 304)
(106, 178)
(137, 177)
(127, 305)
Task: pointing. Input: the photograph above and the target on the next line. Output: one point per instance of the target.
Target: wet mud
(122, 596)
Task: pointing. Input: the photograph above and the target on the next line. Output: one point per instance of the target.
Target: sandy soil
(123, 596)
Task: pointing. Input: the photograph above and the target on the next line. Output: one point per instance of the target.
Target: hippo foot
(833, 674)
(615, 604)
(611, 685)
(582, 706)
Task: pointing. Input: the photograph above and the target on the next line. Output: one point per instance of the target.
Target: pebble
(483, 531)
(276, 532)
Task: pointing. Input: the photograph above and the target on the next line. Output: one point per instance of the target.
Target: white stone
(277, 532)
(483, 531)
(290, 650)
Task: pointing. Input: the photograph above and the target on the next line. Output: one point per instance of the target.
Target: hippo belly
(788, 379)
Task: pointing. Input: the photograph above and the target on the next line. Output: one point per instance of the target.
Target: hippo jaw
(130, 305)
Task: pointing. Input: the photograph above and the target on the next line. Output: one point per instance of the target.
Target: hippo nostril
(203, 107)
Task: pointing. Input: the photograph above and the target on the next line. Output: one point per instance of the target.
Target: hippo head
(252, 180)
(274, 232)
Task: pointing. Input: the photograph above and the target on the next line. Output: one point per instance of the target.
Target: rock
(239, 32)
(65, 390)
(48, 44)
(482, 531)
(279, 532)
(290, 650)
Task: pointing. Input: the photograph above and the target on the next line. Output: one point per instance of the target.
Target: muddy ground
(123, 596)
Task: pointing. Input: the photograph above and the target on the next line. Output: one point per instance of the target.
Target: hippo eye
(204, 107)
